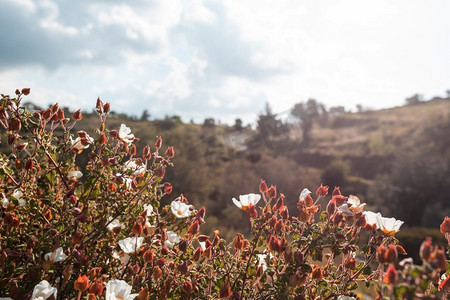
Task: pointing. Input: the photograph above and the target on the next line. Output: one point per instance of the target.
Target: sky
(224, 59)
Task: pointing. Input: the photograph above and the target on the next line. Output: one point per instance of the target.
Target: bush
(101, 231)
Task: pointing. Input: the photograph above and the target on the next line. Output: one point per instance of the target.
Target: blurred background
(350, 94)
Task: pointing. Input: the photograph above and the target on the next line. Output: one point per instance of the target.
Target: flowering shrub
(100, 232)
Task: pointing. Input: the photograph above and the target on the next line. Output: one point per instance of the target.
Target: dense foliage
(103, 231)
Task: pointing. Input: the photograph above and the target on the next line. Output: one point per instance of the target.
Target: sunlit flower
(180, 209)
(245, 201)
(262, 260)
(115, 223)
(125, 134)
(77, 144)
(389, 226)
(43, 290)
(343, 209)
(356, 205)
(406, 261)
(138, 170)
(131, 244)
(56, 256)
(123, 257)
(74, 175)
(18, 195)
(172, 239)
(304, 194)
(118, 290)
(149, 209)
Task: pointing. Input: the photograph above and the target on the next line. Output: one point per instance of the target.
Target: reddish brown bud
(169, 152)
(445, 226)
(225, 291)
(263, 186)
(14, 125)
(54, 108)
(350, 263)
(102, 139)
(198, 252)
(391, 275)
(182, 267)
(200, 213)
(97, 288)
(336, 191)
(309, 200)
(144, 294)
(133, 150)
(146, 153)
(29, 164)
(391, 254)
(99, 106)
(381, 254)
(322, 191)
(194, 228)
(82, 283)
(272, 192)
(77, 238)
(61, 114)
(161, 262)
(425, 249)
(331, 207)
(107, 108)
(438, 260)
(208, 252)
(157, 272)
(26, 91)
(77, 115)
(160, 171)
(285, 213)
(168, 189)
(158, 143)
(280, 203)
(251, 212)
(316, 273)
(299, 257)
(148, 256)
(187, 287)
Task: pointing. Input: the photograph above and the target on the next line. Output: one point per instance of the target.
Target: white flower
(74, 175)
(149, 209)
(125, 134)
(356, 205)
(127, 181)
(18, 195)
(123, 257)
(389, 226)
(78, 145)
(372, 218)
(304, 194)
(172, 239)
(5, 203)
(131, 244)
(262, 261)
(180, 209)
(118, 290)
(56, 256)
(202, 245)
(245, 201)
(406, 261)
(43, 290)
(133, 166)
(342, 297)
(115, 223)
(343, 209)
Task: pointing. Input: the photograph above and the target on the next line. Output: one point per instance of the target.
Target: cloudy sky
(224, 59)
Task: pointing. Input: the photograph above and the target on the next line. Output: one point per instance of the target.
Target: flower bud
(391, 276)
(438, 260)
(445, 226)
(194, 228)
(400, 250)
(336, 191)
(251, 212)
(157, 272)
(29, 164)
(316, 273)
(170, 153)
(99, 106)
(107, 108)
(331, 207)
(425, 249)
(280, 203)
(381, 254)
(61, 114)
(263, 186)
(198, 252)
(168, 189)
(160, 171)
(187, 287)
(158, 143)
(102, 140)
(82, 283)
(391, 253)
(133, 150)
(272, 192)
(225, 291)
(77, 115)
(285, 213)
(97, 288)
(322, 191)
(90, 297)
(144, 294)
(161, 262)
(146, 153)
(14, 125)
(350, 263)
(148, 256)
(182, 267)
(26, 91)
